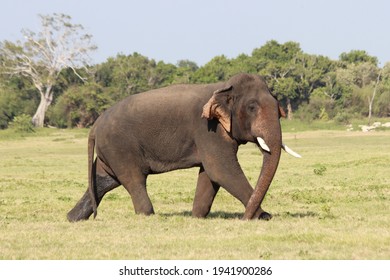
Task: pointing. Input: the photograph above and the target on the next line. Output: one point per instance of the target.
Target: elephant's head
(250, 113)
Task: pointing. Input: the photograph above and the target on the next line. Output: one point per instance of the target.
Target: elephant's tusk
(262, 144)
(291, 152)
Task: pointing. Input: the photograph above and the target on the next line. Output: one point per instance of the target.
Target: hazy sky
(198, 30)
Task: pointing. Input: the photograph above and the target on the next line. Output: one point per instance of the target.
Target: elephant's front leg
(226, 172)
(206, 190)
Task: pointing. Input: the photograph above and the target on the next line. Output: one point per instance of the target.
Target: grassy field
(334, 203)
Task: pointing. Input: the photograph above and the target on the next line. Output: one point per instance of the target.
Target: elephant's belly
(161, 166)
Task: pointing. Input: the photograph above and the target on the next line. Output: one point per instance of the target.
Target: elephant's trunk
(271, 158)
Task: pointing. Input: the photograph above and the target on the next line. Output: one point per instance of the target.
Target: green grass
(331, 204)
(297, 125)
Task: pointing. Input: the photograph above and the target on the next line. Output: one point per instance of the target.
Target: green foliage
(310, 87)
(79, 106)
(383, 106)
(358, 56)
(184, 71)
(343, 118)
(319, 108)
(276, 52)
(320, 169)
(17, 97)
(215, 70)
(22, 124)
(132, 74)
(324, 115)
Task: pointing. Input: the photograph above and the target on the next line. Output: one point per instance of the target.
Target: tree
(185, 63)
(132, 74)
(79, 106)
(358, 56)
(213, 71)
(17, 97)
(241, 64)
(383, 105)
(277, 63)
(42, 56)
(185, 69)
(364, 79)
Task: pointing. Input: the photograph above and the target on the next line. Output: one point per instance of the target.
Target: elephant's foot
(265, 216)
(262, 215)
(148, 211)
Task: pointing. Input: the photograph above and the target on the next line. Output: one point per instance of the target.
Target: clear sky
(198, 30)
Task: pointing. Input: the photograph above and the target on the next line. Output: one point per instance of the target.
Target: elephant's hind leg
(82, 210)
(104, 183)
(135, 184)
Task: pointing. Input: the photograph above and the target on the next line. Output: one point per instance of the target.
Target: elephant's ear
(217, 107)
(282, 114)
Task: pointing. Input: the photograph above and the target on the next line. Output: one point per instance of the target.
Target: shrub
(319, 108)
(319, 169)
(324, 115)
(23, 124)
(15, 101)
(79, 106)
(342, 118)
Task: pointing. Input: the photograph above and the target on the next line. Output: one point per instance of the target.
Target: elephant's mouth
(265, 147)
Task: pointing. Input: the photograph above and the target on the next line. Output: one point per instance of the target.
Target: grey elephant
(183, 126)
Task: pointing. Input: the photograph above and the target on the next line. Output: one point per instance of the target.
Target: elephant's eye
(252, 107)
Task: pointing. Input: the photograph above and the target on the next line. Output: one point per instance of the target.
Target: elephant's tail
(92, 171)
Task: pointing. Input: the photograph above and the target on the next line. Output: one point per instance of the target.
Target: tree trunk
(370, 101)
(46, 99)
(289, 109)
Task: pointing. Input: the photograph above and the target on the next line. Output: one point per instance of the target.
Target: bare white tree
(42, 56)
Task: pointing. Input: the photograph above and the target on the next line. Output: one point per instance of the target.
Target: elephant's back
(176, 101)
(158, 114)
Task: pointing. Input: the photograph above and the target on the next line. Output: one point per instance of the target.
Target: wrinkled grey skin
(183, 126)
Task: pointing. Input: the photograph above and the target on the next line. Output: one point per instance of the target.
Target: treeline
(308, 86)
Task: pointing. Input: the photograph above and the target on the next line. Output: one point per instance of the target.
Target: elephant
(184, 126)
